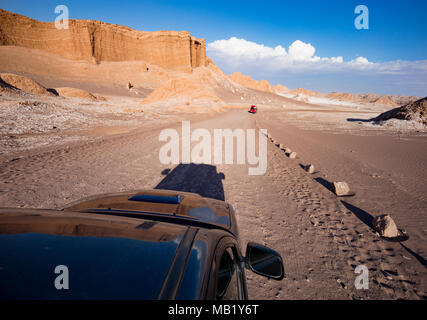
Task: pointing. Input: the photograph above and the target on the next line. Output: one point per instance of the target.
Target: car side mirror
(264, 261)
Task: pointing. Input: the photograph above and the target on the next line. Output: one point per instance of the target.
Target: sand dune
(182, 90)
(247, 81)
(78, 93)
(24, 83)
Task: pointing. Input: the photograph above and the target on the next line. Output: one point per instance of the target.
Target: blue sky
(394, 47)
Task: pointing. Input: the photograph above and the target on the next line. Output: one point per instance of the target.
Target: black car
(136, 245)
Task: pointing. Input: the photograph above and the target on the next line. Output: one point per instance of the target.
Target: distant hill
(248, 82)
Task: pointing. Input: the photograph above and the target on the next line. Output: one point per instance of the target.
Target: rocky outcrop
(413, 111)
(97, 41)
(247, 81)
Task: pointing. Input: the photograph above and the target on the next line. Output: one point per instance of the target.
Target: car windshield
(98, 267)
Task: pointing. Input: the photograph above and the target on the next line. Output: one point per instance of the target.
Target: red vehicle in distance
(253, 109)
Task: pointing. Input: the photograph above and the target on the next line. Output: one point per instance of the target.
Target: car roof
(170, 205)
(110, 257)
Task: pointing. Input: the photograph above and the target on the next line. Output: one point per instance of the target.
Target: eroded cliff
(97, 41)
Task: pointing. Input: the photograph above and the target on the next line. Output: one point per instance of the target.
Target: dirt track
(321, 238)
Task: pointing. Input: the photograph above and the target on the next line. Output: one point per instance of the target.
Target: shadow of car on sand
(202, 179)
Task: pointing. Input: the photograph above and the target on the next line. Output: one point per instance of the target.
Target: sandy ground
(56, 150)
(386, 171)
(322, 238)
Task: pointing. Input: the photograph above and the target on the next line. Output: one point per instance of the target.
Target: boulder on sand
(340, 188)
(385, 226)
(309, 168)
(292, 155)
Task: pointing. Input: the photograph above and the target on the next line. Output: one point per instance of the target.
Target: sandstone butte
(96, 41)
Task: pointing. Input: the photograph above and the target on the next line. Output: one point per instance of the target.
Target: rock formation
(310, 168)
(247, 81)
(292, 155)
(301, 91)
(97, 41)
(413, 111)
(385, 226)
(340, 188)
(280, 89)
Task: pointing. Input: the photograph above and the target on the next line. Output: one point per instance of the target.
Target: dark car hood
(107, 257)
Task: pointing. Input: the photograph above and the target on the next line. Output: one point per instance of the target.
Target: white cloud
(237, 53)
(301, 51)
(337, 59)
(241, 48)
(299, 54)
(361, 61)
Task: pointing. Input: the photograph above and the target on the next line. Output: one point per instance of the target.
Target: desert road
(322, 238)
